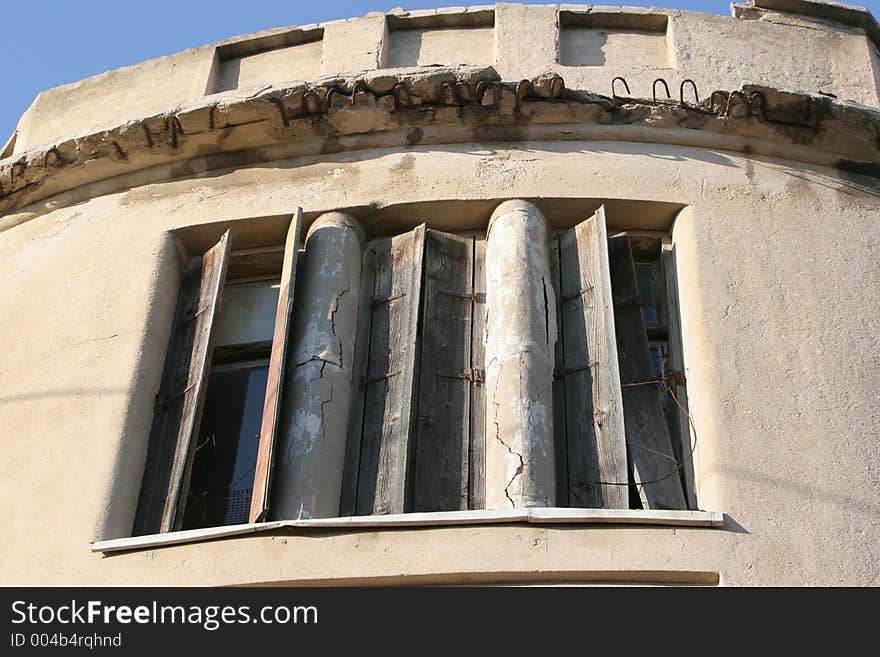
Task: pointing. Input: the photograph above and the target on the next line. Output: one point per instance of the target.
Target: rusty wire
(678, 378)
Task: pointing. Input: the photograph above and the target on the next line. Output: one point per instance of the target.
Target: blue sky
(46, 43)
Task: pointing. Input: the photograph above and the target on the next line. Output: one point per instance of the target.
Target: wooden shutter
(676, 363)
(477, 446)
(654, 467)
(181, 393)
(379, 469)
(275, 380)
(451, 370)
(588, 412)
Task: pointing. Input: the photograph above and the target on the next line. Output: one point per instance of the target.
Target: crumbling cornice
(442, 105)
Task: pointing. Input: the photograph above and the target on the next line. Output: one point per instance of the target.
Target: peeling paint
(309, 473)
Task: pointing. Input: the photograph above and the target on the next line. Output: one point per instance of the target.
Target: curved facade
(740, 155)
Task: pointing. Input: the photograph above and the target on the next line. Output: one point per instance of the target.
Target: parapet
(794, 45)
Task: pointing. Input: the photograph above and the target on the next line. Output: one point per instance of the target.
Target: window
(192, 483)
(614, 427)
(222, 476)
(388, 384)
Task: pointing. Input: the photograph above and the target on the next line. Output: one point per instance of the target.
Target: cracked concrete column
(307, 481)
(520, 343)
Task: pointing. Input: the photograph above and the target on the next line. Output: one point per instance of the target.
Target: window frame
(174, 433)
(258, 264)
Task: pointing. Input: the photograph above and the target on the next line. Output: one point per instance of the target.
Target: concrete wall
(440, 46)
(778, 285)
(588, 44)
(295, 62)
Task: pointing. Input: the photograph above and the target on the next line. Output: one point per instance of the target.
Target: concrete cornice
(834, 12)
(399, 108)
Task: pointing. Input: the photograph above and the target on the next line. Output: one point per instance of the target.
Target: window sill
(535, 515)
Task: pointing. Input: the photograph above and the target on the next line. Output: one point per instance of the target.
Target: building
(658, 366)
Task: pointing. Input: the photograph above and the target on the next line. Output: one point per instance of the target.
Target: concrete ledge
(536, 515)
(443, 105)
(537, 577)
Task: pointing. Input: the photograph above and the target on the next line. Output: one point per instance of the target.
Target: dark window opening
(654, 295)
(226, 453)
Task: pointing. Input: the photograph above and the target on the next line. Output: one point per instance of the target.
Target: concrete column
(520, 343)
(307, 481)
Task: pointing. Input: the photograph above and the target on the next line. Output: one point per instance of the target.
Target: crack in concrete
(546, 310)
(333, 318)
(319, 359)
(522, 463)
(323, 404)
(498, 429)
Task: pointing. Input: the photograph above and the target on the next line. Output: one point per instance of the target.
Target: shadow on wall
(846, 182)
(802, 490)
(123, 488)
(228, 78)
(406, 48)
(60, 394)
(588, 49)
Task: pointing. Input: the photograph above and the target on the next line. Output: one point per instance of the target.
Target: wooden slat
(275, 379)
(259, 263)
(443, 421)
(676, 363)
(385, 479)
(477, 447)
(594, 420)
(181, 393)
(648, 445)
(560, 447)
(348, 500)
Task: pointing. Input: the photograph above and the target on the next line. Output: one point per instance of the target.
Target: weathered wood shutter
(384, 404)
(450, 450)
(678, 387)
(181, 393)
(588, 411)
(275, 380)
(654, 466)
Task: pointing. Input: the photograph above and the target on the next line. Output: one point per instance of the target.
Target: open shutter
(379, 471)
(477, 445)
(275, 380)
(654, 466)
(181, 393)
(676, 363)
(450, 376)
(588, 411)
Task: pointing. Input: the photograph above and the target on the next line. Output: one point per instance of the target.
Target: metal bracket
(564, 372)
(379, 302)
(367, 380)
(476, 297)
(474, 375)
(575, 295)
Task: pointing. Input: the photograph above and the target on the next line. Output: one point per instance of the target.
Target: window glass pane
(658, 353)
(247, 313)
(223, 467)
(647, 279)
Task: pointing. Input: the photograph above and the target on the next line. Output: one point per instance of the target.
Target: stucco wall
(778, 282)
(777, 273)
